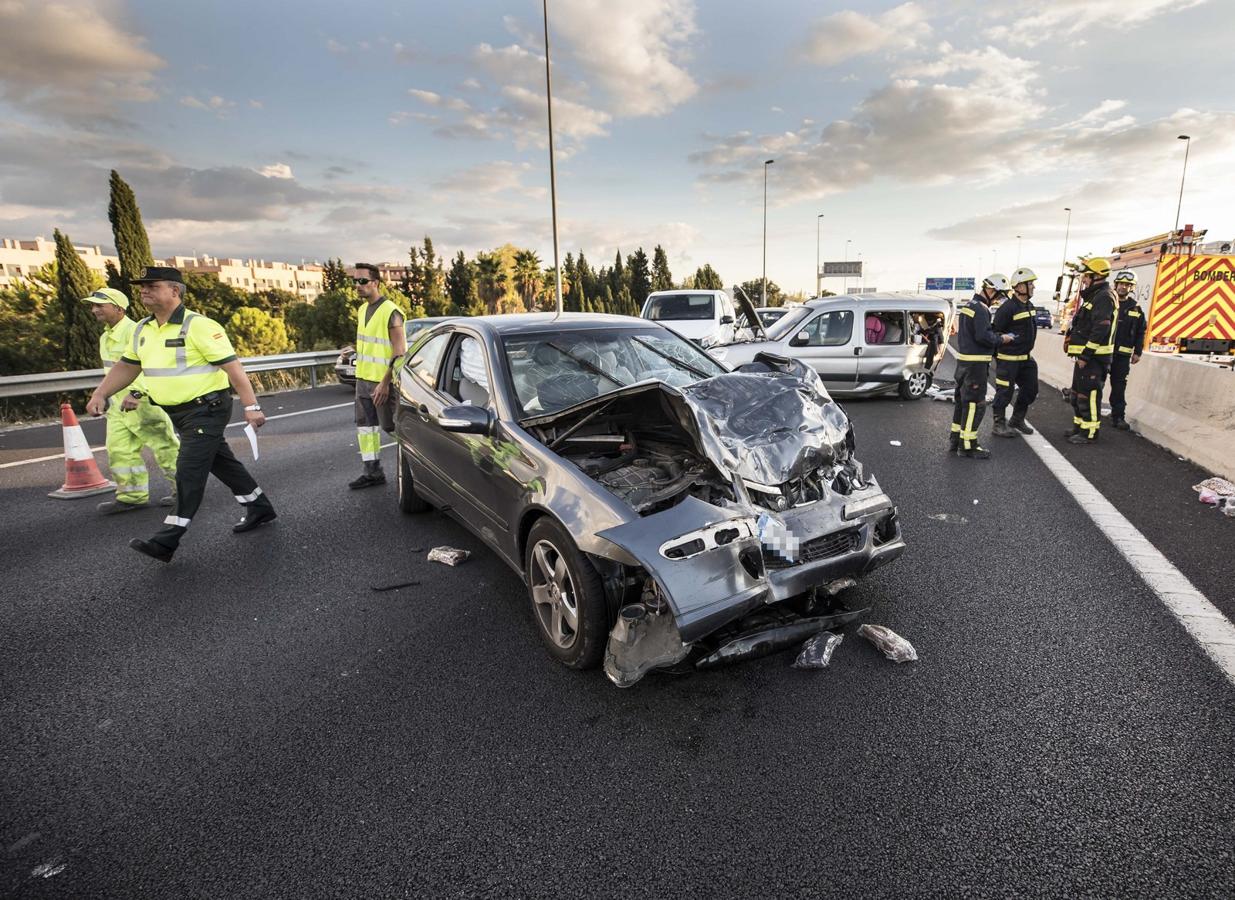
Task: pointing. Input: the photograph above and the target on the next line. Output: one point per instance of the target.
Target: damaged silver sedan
(662, 510)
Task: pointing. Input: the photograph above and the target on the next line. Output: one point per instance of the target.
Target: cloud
(847, 34)
(456, 104)
(277, 170)
(487, 179)
(962, 115)
(72, 60)
(639, 60)
(1036, 23)
(217, 104)
(256, 104)
(336, 47)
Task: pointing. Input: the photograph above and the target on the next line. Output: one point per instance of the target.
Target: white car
(706, 318)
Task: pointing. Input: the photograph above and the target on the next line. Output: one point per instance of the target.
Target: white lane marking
(303, 412)
(1200, 618)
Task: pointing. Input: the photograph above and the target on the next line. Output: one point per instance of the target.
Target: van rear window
(679, 307)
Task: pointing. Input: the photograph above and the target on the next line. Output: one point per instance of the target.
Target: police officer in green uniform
(188, 362)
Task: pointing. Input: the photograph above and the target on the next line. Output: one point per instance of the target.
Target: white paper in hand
(251, 434)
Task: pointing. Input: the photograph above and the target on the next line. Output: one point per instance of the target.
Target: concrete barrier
(1179, 403)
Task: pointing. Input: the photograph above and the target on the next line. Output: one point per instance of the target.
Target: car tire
(408, 501)
(914, 387)
(548, 545)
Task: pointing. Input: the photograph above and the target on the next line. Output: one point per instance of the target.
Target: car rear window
(679, 307)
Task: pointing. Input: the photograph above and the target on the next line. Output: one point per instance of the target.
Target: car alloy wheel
(554, 596)
(915, 385)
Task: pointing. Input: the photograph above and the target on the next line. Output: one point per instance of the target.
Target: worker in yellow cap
(1092, 342)
(132, 422)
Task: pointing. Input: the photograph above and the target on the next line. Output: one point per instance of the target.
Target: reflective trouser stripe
(956, 429)
(1075, 349)
(369, 439)
(1125, 349)
(1008, 357)
(248, 498)
(177, 521)
(974, 357)
(1002, 382)
(968, 433)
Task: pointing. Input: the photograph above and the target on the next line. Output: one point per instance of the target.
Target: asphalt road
(255, 721)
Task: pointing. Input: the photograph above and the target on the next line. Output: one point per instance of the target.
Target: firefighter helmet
(997, 281)
(1022, 275)
(1096, 265)
(1126, 275)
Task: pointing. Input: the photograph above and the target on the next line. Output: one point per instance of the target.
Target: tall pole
(766, 163)
(1063, 266)
(1018, 251)
(818, 276)
(557, 267)
(1187, 146)
(845, 283)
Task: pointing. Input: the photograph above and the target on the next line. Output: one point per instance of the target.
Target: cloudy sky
(929, 133)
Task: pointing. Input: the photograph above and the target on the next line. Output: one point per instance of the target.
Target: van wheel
(408, 501)
(914, 387)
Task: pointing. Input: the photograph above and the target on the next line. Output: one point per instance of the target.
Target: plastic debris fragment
(641, 641)
(1218, 487)
(394, 587)
(949, 517)
(448, 555)
(891, 644)
(771, 639)
(817, 652)
(895, 443)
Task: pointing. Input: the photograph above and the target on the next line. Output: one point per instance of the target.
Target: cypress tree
(662, 278)
(132, 242)
(81, 331)
(639, 280)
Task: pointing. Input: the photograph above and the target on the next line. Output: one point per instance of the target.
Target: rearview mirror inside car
(464, 419)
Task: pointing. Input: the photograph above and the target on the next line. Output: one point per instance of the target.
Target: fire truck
(1187, 287)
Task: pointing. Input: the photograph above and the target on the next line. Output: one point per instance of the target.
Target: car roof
(908, 301)
(524, 323)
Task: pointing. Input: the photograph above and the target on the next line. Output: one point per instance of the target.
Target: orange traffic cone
(82, 477)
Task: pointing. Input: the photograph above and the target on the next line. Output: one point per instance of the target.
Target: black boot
(1018, 422)
(954, 443)
(1001, 428)
(1081, 438)
(976, 452)
(373, 476)
(1121, 423)
(255, 515)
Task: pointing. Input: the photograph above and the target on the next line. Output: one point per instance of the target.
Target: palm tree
(547, 296)
(492, 279)
(527, 276)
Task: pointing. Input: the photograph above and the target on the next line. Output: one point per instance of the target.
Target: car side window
(830, 329)
(467, 377)
(885, 327)
(423, 365)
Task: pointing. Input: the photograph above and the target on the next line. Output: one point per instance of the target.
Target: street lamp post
(845, 281)
(1063, 267)
(1018, 251)
(818, 231)
(557, 268)
(766, 163)
(1187, 146)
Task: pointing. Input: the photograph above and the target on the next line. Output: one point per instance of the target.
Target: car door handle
(423, 411)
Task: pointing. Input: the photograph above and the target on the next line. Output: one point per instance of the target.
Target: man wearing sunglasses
(380, 344)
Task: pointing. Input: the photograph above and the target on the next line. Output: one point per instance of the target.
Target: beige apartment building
(18, 259)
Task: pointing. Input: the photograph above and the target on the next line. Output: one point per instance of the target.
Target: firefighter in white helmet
(975, 343)
(1016, 371)
(1129, 341)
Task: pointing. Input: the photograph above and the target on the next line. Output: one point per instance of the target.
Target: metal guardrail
(88, 379)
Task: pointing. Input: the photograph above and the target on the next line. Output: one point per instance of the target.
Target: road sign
(842, 269)
(939, 284)
(964, 284)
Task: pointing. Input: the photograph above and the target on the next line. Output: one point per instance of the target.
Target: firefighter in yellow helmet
(975, 343)
(1093, 336)
(1015, 368)
(133, 421)
(1129, 340)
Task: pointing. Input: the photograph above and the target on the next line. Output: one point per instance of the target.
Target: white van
(705, 317)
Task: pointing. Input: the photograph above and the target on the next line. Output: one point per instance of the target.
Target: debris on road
(448, 555)
(895, 443)
(770, 639)
(949, 517)
(891, 644)
(1218, 487)
(642, 640)
(394, 587)
(817, 652)
(48, 870)
(947, 395)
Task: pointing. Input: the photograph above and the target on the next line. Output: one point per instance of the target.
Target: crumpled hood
(770, 424)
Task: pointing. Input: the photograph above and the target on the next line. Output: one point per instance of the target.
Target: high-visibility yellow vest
(113, 342)
(374, 352)
(180, 359)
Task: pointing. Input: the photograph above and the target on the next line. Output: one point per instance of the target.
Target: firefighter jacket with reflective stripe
(1016, 318)
(1093, 326)
(180, 359)
(1130, 328)
(374, 352)
(113, 342)
(975, 341)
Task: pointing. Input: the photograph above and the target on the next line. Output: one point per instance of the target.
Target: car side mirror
(465, 419)
(801, 339)
(726, 320)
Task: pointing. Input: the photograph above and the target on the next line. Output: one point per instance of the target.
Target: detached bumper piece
(765, 640)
